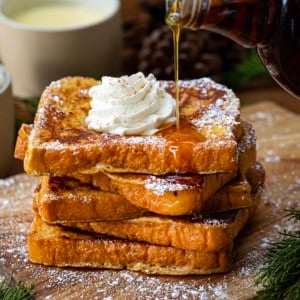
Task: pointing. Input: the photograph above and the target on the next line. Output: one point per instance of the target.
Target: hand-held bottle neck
(247, 22)
(273, 26)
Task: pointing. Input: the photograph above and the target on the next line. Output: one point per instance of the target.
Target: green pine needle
(293, 215)
(293, 292)
(18, 291)
(280, 276)
(246, 71)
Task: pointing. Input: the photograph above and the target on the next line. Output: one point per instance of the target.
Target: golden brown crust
(61, 144)
(178, 195)
(52, 245)
(173, 203)
(196, 232)
(22, 141)
(63, 199)
(172, 195)
(234, 195)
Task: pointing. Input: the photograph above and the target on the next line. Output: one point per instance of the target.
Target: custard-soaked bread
(61, 200)
(240, 192)
(168, 194)
(60, 142)
(198, 232)
(22, 141)
(57, 246)
(179, 194)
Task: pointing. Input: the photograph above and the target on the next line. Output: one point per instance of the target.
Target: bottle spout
(173, 14)
(186, 13)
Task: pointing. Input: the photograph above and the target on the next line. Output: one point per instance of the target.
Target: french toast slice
(64, 199)
(195, 232)
(54, 245)
(178, 194)
(168, 194)
(60, 200)
(60, 142)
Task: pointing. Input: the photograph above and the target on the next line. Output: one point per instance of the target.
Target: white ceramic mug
(7, 122)
(35, 56)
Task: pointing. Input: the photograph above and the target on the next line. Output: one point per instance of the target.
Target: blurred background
(147, 46)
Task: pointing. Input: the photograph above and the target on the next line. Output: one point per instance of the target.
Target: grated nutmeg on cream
(130, 105)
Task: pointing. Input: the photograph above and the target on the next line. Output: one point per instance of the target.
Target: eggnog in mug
(58, 16)
(45, 40)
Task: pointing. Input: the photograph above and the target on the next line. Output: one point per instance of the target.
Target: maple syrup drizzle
(180, 144)
(171, 20)
(176, 36)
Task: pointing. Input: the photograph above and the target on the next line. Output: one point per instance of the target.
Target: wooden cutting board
(278, 150)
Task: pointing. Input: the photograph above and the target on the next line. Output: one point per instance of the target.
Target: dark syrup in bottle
(272, 26)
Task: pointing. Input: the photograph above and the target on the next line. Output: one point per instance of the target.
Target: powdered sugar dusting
(54, 197)
(102, 284)
(84, 92)
(282, 191)
(265, 116)
(53, 283)
(249, 138)
(147, 140)
(14, 191)
(56, 99)
(272, 159)
(222, 115)
(161, 185)
(55, 84)
(216, 117)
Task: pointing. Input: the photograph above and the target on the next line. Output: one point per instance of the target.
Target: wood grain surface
(278, 150)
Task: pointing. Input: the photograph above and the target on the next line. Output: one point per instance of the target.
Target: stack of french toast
(168, 203)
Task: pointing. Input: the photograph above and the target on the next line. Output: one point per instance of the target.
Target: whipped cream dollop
(130, 105)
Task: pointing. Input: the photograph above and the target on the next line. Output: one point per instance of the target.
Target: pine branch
(293, 292)
(280, 277)
(293, 215)
(11, 290)
(18, 292)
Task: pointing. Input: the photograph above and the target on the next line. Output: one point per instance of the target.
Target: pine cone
(201, 53)
(148, 47)
(137, 27)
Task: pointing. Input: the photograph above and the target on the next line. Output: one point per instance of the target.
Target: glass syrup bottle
(271, 26)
